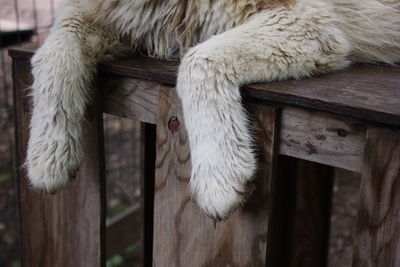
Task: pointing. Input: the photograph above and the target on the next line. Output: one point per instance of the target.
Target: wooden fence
(349, 120)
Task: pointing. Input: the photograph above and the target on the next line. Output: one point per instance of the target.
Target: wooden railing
(349, 119)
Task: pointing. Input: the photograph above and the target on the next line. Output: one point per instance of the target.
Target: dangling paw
(221, 182)
(53, 162)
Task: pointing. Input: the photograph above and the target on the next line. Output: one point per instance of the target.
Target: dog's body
(223, 45)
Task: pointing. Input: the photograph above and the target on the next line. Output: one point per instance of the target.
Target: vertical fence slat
(184, 235)
(377, 237)
(66, 229)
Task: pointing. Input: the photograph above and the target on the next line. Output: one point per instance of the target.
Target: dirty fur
(222, 44)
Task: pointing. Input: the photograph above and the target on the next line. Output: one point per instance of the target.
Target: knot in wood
(342, 132)
(174, 124)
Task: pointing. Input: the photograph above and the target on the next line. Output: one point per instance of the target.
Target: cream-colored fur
(223, 45)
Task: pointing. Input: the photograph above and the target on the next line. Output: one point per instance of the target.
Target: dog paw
(221, 182)
(52, 162)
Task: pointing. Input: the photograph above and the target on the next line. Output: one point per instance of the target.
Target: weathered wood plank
(130, 98)
(184, 235)
(377, 238)
(316, 136)
(66, 229)
(312, 135)
(145, 68)
(363, 91)
(123, 230)
(367, 92)
(301, 214)
(322, 137)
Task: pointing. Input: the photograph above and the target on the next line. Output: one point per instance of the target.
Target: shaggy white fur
(233, 43)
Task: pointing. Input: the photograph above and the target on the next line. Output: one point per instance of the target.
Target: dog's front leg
(63, 70)
(274, 44)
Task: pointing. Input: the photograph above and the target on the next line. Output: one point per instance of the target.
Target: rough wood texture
(66, 229)
(183, 235)
(364, 91)
(322, 137)
(301, 214)
(377, 238)
(146, 68)
(316, 136)
(130, 98)
(305, 134)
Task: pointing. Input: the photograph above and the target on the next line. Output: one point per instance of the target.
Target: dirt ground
(122, 137)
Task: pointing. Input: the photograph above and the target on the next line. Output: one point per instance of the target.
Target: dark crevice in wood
(301, 214)
(148, 142)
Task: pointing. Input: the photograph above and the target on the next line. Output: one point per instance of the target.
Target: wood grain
(130, 98)
(66, 229)
(377, 238)
(366, 92)
(316, 136)
(183, 235)
(311, 135)
(146, 68)
(322, 137)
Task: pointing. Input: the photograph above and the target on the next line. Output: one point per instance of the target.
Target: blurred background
(26, 23)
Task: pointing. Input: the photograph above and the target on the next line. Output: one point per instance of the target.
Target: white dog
(223, 44)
